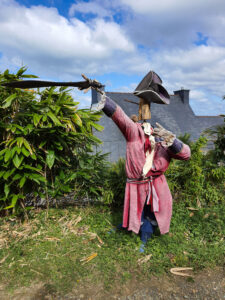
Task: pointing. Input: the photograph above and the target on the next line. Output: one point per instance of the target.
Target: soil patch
(205, 285)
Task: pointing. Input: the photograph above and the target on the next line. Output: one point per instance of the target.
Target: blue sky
(118, 42)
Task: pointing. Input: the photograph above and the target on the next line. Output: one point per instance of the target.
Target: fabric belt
(139, 180)
(152, 197)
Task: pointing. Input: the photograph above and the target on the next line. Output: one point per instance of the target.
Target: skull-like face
(147, 128)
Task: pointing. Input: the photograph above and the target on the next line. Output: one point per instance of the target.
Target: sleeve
(179, 150)
(124, 123)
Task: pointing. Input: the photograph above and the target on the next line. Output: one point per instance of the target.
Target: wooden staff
(144, 111)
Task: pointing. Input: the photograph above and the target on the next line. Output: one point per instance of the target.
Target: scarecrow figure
(148, 201)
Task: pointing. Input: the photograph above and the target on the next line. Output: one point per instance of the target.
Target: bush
(198, 180)
(117, 182)
(45, 144)
(217, 135)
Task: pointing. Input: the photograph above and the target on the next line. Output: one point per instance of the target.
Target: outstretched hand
(167, 135)
(100, 105)
(91, 84)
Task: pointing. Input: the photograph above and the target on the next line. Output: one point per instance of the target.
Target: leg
(148, 225)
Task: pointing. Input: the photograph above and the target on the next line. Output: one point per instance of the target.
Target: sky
(119, 41)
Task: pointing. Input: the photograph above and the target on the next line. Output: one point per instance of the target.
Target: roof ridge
(120, 92)
(209, 116)
(129, 93)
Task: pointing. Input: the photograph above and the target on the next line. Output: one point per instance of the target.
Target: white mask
(147, 128)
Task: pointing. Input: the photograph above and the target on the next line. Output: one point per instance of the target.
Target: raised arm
(115, 112)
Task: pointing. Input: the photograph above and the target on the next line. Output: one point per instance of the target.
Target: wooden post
(144, 112)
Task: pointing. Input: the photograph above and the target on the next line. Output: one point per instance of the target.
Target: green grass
(51, 250)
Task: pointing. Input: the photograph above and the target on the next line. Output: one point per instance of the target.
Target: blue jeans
(147, 228)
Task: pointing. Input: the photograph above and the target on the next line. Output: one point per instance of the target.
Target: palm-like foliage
(44, 138)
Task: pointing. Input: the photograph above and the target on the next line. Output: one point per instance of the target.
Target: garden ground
(72, 253)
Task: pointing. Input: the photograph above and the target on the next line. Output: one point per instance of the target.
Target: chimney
(95, 96)
(184, 95)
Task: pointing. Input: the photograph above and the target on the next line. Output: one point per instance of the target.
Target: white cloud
(59, 48)
(100, 8)
(174, 6)
(199, 69)
(198, 96)
(126, 89)
(43, 39)
(89, 7)
(204, 103)
(195, 68)
(169, 23)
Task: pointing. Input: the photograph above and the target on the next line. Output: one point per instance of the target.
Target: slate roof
(177, 117)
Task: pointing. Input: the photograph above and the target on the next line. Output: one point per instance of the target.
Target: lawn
(76, 247)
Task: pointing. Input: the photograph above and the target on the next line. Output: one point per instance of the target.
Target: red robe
(135, 194)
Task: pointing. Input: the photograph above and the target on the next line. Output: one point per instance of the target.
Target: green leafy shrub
(117, 182)
(185, 138)
(217, 135)
(200, 180)
(45, 144)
